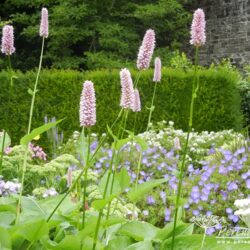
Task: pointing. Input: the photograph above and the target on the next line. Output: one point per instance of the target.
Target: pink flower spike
(87, 111)
(198, 33)
(127, 97)
(44, 24)
(157, 71)
(7, 47)
(146, 50)
(137, 101)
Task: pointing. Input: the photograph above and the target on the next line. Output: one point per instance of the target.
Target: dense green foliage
(217, 106)
(91, 33)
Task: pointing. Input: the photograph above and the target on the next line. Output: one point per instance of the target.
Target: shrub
(217, 106)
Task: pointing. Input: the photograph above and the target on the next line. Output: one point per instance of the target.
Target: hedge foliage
(217, 106)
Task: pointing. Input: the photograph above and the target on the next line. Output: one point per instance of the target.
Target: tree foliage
(87, 34)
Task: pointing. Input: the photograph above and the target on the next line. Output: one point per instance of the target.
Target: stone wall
(227, 30)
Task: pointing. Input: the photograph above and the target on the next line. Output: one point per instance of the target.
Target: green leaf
(144, 245)
(120, 143)
(193, 242)
(182, 201)
(6, 218)
(181, 229)
(70, 242)
(142, 143)
(111, 133)
(4, 139)
(119, 242)
(5, 240)
(37, 131)
(33, 230)
(30, 91)
(123, 179)
(116, 186)
(139, 230)
(30, 207)
(136, 194)
(100, 204)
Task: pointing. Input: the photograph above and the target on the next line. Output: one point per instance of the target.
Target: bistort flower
(87, 112)
(137, 101)
(7, 47)
(157, 71)
(198, 34)
(44, 25)
(127, 97)
(146, 50)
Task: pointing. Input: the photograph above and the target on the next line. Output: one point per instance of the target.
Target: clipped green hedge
(217, 106)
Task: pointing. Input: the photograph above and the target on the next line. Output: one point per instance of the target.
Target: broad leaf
(136, 194)
(37, 131)
(120, 143)
(181, 229)
(100, 204)
(119, 242)
(143, 245)
(123, 179)
(33, 230)
(5, 240)
(143, 144)
(116, 186)
(139, 230)
(191, 242)
(70, 242)
(6, 218)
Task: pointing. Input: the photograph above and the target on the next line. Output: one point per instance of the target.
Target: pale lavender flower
(167, 213)
(157, 70)
(146, 50)
(177, 144)
(127, 97)
(248, 183)
(198, 34)
(87, 112)
(44, 24)
(7, 46)
(69, 177)
(137, 101)
(150, 200)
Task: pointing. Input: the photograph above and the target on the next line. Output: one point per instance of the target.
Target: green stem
(137, 79)
(35, 88)
(85, 182)
(124, 117)
(2, 151)
(104, 196)
(179, 189)
(152, 107)
(137, 179)
(9, 68)
(10, 71)
(124, 121)
(203, 239)
(78, 177)
(29, 128)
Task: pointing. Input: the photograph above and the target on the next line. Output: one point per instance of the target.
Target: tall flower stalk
(87, 115)
(44, 32)
(127, 103)
(198, 38)
(7, 48)
(156, 79)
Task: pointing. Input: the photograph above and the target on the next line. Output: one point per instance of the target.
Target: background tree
(88, 34)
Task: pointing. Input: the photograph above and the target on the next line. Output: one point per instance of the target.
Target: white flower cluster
(244, 210)
(164, 134)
